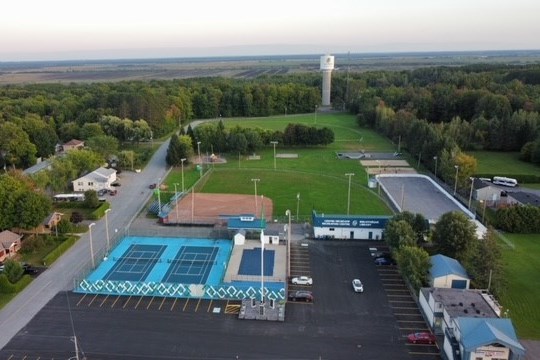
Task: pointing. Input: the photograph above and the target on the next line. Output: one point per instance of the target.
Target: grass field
(503, 163)
(522, 270)
(317, 175)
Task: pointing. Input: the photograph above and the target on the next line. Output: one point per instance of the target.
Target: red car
(421, 338)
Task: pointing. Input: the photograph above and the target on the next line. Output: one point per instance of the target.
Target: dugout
(348, 227)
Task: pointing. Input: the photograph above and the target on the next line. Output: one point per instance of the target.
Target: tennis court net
(192, 262)
(136, 259)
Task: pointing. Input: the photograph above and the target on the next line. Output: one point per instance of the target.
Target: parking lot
(405, 309)
(339, 324)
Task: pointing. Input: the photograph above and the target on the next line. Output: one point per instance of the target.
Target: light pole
(419, 158)
(288, 213)
(91, 245)
(107, 229)
(182, 160)
(297, 205)
(470, 193)
(255, 182)
(176, 202)
(274, 143)
(455, 182)
(159, 195)
(350, 175)
(199, 153)
(316, 107)
(436, 159)
(484, 203)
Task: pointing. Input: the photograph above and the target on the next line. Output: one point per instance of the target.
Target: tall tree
(454, 235)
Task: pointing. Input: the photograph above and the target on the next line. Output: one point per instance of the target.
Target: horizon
(314, 55)
(56, 30)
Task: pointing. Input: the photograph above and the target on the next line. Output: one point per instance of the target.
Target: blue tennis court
(251, 262)
(165, 260)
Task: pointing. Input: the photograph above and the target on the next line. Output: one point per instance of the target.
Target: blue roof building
(447, 272)
(493, 338)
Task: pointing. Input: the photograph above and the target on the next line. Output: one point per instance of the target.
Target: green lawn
(522, 269)
(507, 163)
(317, 175)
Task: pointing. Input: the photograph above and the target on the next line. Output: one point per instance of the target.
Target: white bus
(68, 197)
(501, 180)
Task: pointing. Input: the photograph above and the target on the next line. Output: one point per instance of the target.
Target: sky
(117, 29)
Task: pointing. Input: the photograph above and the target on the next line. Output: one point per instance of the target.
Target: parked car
(421, 338)
(152, 186)
(305, 296)
(384, 261)
(102, 192)
(357, 286)
(113, 192)
(378, 254)
(116, 184)
(302, 280)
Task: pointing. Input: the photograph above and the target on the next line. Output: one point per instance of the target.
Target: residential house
(73, 144)
(101, 178)
(10, 243)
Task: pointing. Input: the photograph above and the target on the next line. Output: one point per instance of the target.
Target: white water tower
(327, 65)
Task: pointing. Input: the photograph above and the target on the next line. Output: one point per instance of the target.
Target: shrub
(76, 217)
(13, 270)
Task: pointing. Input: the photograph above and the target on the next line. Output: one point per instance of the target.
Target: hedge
(59, 250)
(8, 288)
(100, 211)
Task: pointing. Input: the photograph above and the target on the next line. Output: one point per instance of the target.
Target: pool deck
(280, 260)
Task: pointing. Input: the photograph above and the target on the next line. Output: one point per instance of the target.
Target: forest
(436, 114)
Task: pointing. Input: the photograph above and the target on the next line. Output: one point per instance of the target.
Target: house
(10, 243)
(484, 191)
(455, 313)
(73, 144)
(101, 178)
(446, 272)
(523, 198)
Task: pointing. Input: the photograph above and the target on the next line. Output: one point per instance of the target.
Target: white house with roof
(446, 272)
(446, 310)
(101, 178)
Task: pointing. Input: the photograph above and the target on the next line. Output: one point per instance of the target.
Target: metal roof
(442, 265)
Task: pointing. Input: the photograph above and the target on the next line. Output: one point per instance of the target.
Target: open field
(503, 162)
(522, 266)
(317, 174)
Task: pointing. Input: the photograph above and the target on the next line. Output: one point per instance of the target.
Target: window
(331, 229)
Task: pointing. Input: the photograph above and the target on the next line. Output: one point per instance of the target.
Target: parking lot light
(455, 182)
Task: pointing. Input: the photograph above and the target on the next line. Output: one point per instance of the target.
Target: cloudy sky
(104, 29)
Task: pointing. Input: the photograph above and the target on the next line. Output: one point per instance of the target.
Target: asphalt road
(340, 324)
(132, 195)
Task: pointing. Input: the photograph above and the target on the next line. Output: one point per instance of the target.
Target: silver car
(357, 286)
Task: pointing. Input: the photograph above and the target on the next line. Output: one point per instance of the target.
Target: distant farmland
(246, 67)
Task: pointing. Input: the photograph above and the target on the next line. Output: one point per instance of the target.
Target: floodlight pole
(470, 193)
(350, 175)
(107, 230)
(274, 143)
(288, 213)
(297, 206)
(176, 202)
(91, 245)
(436, 159)
(200, 160)
(455, 182)
(182, 160)
(159, 195)
(255, 182)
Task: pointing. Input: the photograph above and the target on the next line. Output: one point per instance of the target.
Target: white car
(302, 280)
(357, 286)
